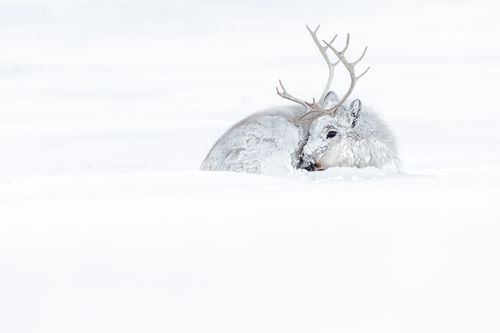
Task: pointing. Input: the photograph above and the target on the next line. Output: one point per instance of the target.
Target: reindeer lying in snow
(311, 136)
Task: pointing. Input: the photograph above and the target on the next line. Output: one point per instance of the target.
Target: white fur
(368, 143)
(267, 142)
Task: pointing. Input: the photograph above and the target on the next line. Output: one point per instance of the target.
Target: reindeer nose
(309, 166)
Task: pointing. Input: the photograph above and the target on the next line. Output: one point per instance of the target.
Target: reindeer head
(330, 138)
(331, 123)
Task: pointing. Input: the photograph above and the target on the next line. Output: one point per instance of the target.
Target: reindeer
(308, 135)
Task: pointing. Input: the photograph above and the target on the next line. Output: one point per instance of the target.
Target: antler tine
(350, 68)
(361, 57)
(286, 95)
(333, 39)
(346, 44)
(331, 65)
(360, 75)
(315, 30)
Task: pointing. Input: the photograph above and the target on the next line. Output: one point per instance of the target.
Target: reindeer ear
(330, 99)
(355, 111)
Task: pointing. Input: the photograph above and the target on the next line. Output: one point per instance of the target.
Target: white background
(107, 109)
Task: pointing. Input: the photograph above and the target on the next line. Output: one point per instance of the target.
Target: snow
(107, 109)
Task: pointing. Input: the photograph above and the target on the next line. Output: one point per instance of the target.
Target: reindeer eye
(331, 134)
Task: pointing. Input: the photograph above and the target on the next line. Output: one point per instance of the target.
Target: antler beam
(331, 65)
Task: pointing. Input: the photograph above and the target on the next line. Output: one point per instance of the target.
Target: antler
(331, 65)
(283, 93)
(318, 107)
(350, 68)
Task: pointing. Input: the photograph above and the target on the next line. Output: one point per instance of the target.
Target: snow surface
(107, 109)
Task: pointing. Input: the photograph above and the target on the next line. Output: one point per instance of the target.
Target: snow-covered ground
(108, 107)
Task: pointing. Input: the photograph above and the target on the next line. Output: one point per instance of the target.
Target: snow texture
(107, 109)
